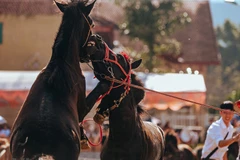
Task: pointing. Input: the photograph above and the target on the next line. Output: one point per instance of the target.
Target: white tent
(14, 86)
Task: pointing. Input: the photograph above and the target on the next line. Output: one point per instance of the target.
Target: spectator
(4, 131)
(219, 134)
(4, 128)
(167, 126)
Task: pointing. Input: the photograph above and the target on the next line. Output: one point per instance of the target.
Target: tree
(228, 37)
(234, 96)
(153, 21)
(225, 78)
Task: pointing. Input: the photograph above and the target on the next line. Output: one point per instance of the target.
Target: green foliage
(229, 43)
(153, 22)
(234, 96)
(225, 78)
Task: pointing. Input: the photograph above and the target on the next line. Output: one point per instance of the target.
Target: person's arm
(225, 156)
(227, 142)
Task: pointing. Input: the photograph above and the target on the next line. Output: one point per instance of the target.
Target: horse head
(106, 63)
(76, 15)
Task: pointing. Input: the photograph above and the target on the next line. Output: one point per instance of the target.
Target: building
(15, 85)
(29, 27)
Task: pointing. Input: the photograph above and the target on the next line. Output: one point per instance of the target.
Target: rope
(139, 87)
(100, 132)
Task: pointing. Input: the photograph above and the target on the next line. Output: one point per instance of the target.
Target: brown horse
(47, 124)
(129, 137)
(174, 150)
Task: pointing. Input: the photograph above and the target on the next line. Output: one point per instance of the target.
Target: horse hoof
(98, 118)
(84, 144)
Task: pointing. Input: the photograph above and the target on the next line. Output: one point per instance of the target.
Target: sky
(222, 11)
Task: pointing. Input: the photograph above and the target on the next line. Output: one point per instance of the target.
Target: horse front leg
(91, 99)
(85, 104)
(93, 96)
(102, 110)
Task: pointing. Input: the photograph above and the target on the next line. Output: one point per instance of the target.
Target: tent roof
(170, 82)
(173, 82)
(14, 87)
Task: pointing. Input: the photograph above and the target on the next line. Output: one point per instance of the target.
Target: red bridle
(115, 61)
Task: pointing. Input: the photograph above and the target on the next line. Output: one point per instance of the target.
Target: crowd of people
(4, 139)
(221, 134)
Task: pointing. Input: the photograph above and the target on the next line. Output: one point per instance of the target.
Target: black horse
(129, 137)
(176, 151)
(48, 122)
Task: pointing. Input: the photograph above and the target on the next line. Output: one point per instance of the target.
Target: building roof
(14, 87)
(105, 12)
(173, 82)
(27, 7)
(198, 39)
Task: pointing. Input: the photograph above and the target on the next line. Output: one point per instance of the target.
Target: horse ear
(136, 64)
(61, 6)
(89, 7)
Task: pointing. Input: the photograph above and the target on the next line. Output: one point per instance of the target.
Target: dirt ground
(89, 156)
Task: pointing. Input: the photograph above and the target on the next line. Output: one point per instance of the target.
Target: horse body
(129, 137)
(47, 123)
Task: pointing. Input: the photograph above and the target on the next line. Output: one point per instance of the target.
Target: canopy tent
(186, 86)
(14, 87)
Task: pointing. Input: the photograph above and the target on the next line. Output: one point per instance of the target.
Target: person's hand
(4, 143)
(236, 137)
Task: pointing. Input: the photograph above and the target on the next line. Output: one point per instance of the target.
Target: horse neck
(66, 44)
(124, 121)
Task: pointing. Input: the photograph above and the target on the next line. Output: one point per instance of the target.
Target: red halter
(128, 75)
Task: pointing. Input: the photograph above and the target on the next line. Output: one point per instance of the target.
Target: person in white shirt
(219, 134)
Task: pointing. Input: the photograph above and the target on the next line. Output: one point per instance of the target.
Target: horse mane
(66, 43)
(140, 110)
(138, 93)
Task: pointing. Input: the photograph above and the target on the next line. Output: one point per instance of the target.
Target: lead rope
(150, 90)
(168, 95)
(100, 132)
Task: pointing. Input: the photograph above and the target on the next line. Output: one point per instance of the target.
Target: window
(1, 33)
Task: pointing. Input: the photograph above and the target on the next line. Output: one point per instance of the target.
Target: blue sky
(222, 11)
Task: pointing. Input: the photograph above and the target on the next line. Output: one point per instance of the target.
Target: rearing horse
(129, 137)
(47, 124)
